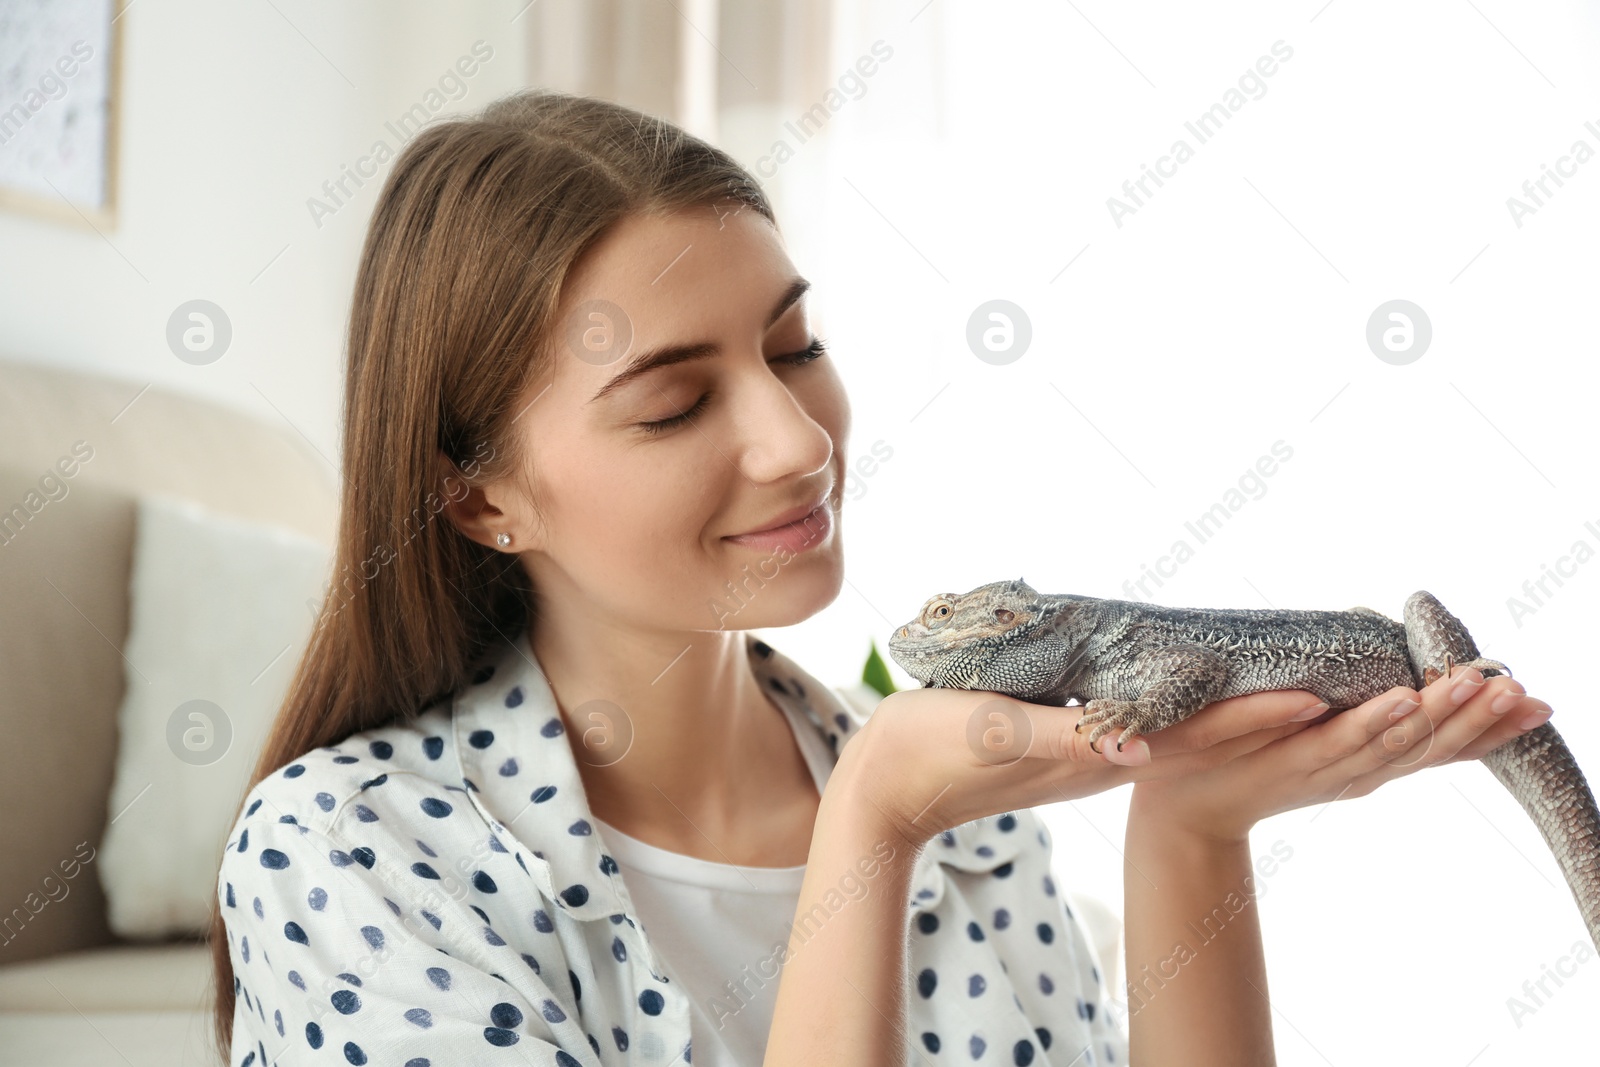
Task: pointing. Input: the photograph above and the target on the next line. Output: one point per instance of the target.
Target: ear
(472, 511)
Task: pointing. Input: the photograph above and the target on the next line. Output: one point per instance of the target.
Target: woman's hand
(1342, 754)
(931, 759)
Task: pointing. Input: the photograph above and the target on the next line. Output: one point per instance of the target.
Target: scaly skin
(1141, 667)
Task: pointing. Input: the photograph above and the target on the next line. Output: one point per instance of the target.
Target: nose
(783, 440)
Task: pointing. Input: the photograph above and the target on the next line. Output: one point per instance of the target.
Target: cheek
(830, 406)
(634, 512)
(834, 415)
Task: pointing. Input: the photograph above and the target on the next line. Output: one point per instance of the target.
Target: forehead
(723, 254)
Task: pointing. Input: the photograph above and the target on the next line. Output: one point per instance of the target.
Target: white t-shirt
(731, 977)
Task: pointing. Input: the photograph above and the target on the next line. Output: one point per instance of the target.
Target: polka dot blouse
(436, 892)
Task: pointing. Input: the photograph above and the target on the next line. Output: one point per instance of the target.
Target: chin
(816, 587)
(794, 592)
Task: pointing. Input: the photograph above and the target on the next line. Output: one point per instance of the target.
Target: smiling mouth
(808, 531)
(789, 517)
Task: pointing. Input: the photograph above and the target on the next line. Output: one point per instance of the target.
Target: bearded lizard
(1142, 667)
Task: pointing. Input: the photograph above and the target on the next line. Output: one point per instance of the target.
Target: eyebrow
(667, 355)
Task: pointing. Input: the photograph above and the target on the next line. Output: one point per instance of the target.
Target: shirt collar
(519, 771)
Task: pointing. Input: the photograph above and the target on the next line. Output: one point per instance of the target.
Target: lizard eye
(937, 613)
(1005, 615)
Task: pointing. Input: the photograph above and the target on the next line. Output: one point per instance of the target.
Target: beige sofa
(71, 992)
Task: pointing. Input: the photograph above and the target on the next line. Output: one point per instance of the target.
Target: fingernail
(1505, 701)
(1466, 687)
(1311, 712)
(1402, 709)
(1535, 718)
(1134, 754)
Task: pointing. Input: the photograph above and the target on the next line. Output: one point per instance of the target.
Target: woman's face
(634, 521)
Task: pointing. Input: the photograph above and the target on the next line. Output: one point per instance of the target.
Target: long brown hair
(453, 319)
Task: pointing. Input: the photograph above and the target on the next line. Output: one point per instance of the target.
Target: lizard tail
(1538, 769)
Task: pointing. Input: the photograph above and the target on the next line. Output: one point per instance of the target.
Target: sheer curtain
(730, 71)
(782, 85)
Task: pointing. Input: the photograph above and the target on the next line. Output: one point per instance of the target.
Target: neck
(707, 747)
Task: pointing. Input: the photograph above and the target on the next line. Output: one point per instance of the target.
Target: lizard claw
(1490, 668)
(1128, 736)
(1130, 719)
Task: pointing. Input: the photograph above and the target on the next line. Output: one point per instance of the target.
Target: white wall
(1226, 314)
(233, 117)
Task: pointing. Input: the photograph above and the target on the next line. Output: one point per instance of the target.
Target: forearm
(1197, 983)
(841, 997)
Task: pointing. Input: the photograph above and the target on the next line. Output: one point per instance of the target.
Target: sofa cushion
(64, 584)
(222, 609)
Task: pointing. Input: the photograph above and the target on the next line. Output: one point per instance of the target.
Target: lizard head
(982, 639)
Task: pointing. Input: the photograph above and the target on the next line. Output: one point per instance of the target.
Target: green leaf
(876, 673)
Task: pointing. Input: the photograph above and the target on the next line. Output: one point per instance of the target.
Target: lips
(792, 530)
(787, 517)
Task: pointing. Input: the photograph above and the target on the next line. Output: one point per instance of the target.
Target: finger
(1231, 718)
(1512, 725)
(1005, 730)
(1335, 734)
(1429, 733)
(1259, 748)
(1135, 752)
(1363, 734)
(1204, 758)
(1499, 729)
(1031, 750)
(1064, 764)
(1464, 707)
(1472, 717)
(1509, 713)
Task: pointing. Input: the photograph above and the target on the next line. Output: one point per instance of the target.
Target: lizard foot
(1489, 667)
(1104, 714)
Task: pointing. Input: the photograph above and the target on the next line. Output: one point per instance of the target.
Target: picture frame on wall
(59, 88)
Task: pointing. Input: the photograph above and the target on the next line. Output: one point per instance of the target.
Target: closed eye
(817, 348)
(663, 425)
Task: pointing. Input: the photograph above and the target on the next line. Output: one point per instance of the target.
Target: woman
(590, 444)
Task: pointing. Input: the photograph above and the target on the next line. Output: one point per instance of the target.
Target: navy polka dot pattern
(436, 891)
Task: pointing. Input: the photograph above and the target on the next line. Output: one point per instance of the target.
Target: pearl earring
(502, 539)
